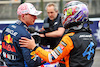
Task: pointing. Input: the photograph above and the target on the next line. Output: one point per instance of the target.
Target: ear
(22, 16)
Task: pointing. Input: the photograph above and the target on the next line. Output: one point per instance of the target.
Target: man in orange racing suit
(77, 47)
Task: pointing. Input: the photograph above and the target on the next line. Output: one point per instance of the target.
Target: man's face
(52, 14)
(29, 19)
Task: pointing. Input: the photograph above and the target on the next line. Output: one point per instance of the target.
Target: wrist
(35, 48)
(44, 34)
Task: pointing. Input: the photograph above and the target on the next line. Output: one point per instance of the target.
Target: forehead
(50, 9)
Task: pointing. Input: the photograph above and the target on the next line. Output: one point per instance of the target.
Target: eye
(51, 12)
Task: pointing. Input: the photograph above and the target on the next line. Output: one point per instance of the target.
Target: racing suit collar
(19, 22)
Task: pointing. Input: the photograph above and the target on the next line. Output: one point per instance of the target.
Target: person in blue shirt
(12, 53)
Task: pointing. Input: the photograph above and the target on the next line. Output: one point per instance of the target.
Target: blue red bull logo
(7, 45)
(8, 39)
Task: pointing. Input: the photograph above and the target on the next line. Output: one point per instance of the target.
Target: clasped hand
(28, 43)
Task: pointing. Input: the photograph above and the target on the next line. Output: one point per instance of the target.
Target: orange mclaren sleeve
(61, 51)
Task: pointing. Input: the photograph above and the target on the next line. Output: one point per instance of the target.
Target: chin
(51, 19)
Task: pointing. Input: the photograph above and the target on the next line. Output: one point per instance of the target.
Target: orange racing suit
(77, 49)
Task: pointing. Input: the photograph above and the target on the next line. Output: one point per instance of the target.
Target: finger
(22, 41)
(24, 38)
(31, 37)
(23, 45)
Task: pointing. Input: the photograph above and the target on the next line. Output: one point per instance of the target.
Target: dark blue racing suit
(12, 53)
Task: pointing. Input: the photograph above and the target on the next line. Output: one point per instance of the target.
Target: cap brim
(36, 13)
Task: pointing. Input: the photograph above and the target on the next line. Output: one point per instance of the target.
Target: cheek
(31, 18)
(25, 17)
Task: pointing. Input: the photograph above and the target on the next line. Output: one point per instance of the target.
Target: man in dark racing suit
(12, 53)
(77, 46)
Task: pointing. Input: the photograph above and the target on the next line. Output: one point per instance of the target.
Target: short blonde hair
(19, 17)
(52, 4)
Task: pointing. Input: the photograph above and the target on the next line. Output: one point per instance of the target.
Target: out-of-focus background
(8, 15)
(8, 7)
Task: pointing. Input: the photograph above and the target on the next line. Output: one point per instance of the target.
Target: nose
(49, 14)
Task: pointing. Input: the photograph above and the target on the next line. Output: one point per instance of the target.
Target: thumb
(32, 38)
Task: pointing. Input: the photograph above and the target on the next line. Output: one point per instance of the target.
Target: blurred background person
(52, 27)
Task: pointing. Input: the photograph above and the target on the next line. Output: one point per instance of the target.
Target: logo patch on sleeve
(54, 54)
(33, 54)
(61, 46)
(52, 57)
(63, 43)
(57, 52)
(59, 49)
